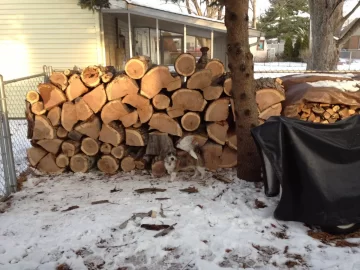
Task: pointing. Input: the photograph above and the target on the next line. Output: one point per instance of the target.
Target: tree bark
(242, 72)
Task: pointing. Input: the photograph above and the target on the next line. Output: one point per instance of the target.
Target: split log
(107, 77)
(48, 165)
(218, 110)
(217, 68)
(90, 146)
(51, 95)
(266, 98)
(38, 108)
(59, 80)
(96, 98)
(61, 133)
(228, 86)
(119, 151)
(121, 86)
(75, 135)
(160, 144)
(76, 88)
(81, 163)
(161, 102)
(35, 154)
(158, 78)
(30, 118)
(90, 128)
(175, 112)
(62, 161)
(106, 148)
(274, 110)
(127, 164)
(130, 119)
(43, 128)
(83, 111)
(136, 137)
(142, 104)
(213, 92)
(112, 133)
(158, 169)
(68, 116)
(228, 158)
(54, 116)
(231, 139)
(114, 110)
(344, 113)
(52, 146)
(162, 122)
(69, 72)
(70, 148)
(108, 164)
(91, 76)
(185, 64)
(198, 138)
(190, 121)
(212, 155)
(187, 99)
(137, 66)
(32, 96)
(200, 79)
(218, 131)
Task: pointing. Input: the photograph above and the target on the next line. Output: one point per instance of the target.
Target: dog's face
(170, 162)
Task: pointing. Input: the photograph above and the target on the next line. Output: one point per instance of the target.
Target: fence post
(10, 165)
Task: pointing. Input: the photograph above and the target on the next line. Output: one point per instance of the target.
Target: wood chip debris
(190, 190)
(165, 231)
(71, 208)
(149, 190)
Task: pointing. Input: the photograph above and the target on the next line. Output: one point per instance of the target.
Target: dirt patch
(338, 240)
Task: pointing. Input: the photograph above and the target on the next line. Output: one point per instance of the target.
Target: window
(261, 45)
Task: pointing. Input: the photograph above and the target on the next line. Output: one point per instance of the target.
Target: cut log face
(160, 144)
(114, 110)
(212, 155)
(190, 100)
(59, 80)
(113, 133)
(90, 128)
(137, 66)
(121, 86)
(48, 165)
(68, 116)
(175, 112)
(32, 96)
(35, 154)
(119, 151)
(161, 102)
(75, 89)
(190, 121)
(107, 77)
(142, 104)
(61, 132)
(30, 118)
(69, 72)
(162, 122)
(75, 135)
(266, 98)
(91, 76)
(90, 147)
(156, 79)
(130, 119)
(52, 146)
(185, 64)
(217, 68)
(217, 131)
(213, 92)
(37, 108)
(127, 164)
(108, 164)
(218, 110)
(231, 140)
(228, 158)
(106, 148)
(200, 79)
(81, 163)
(43, 128)
(96, 98)
(158, 169)
(228, 87)
(62, 161)
(70, 148)
(136, 137)
(83, 111)
(51, 95)
(54, 116)
(274, 110)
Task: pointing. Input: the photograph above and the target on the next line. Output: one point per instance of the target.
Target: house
(354, 42)
(60, 34)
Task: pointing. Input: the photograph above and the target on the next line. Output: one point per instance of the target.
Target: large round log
(187, 99)
(218, 110)
(81, 163)
(200, 79)
(137, 66)
(185, 64)
(90, 146)
(217, 68)
(62, 161)
(121, 86)
(190, 121)
(59, 79)
(91, 76)
(108, 164)
(128, 164)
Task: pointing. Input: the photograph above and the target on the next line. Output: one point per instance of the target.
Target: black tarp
(318, 167)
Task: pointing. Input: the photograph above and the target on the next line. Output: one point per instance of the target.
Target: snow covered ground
(222, 226)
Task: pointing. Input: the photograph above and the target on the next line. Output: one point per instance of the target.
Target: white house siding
(57, 33)
(220, 49)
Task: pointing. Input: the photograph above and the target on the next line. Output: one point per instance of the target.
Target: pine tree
(288, 49)
(305, 43)
(297, 48)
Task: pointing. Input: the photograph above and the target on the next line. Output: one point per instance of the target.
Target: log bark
(160, 144)
(75, 135)
(142, 104)
(107, 77)
(136, 137)
(48, 165)
(212, 155)
(37, 108)
(190, 121)
(70, 148)
(43, 128)
(114, 110)
(266, 98)
(68, 116)
(106, 148)
(62, 161)
(83, 111)
(90, 146)
(90, 128)
(162, 122)
(156, 79)
(188, 100)
(274, 110)
(91, 76)
(119, 151)
(158, 169)
(108, 164)
(81, 163)
(54, 116)
(199, 80)
(185, 64)
(161, 102)
(76, 88)
(51, 146)
(32, 96)
(228, 87)
(51, 95)
(137, 66)
(59, 80)
(112, 133)
(213, 92)
(30, 118)
(35, 154)
(217, 68)
(127, 164)
(228, 158)
(130, 119)
(231, 140)
(218, 110)
(121, 86)
(96, 98)
(218, 131)
(61, 132)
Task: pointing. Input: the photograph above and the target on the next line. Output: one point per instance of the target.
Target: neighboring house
(60, 34)
(354, 42)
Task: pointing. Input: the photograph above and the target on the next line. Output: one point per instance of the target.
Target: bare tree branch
(188, 7)
(197, 7)
(347, 16)
(349, 33)
(335, 7)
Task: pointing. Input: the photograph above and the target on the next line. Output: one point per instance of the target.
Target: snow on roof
(351, 86)
(347, 75)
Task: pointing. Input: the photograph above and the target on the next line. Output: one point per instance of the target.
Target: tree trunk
(242, 72)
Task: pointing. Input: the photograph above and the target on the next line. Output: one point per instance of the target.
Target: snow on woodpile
(344, 75)
(351, 86)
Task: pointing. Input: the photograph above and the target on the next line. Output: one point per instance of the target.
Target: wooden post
(130, 36)
(184, 38)
(212, 45)
(157, 42)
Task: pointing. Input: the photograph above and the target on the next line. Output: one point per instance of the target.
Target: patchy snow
(217, 228)
(344, 75)
(352, 86)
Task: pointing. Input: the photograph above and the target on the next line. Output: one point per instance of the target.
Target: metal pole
(7, 137)
(350, 60)
(157, 42)
(130, 36)
(184, 38)
(212, 45)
